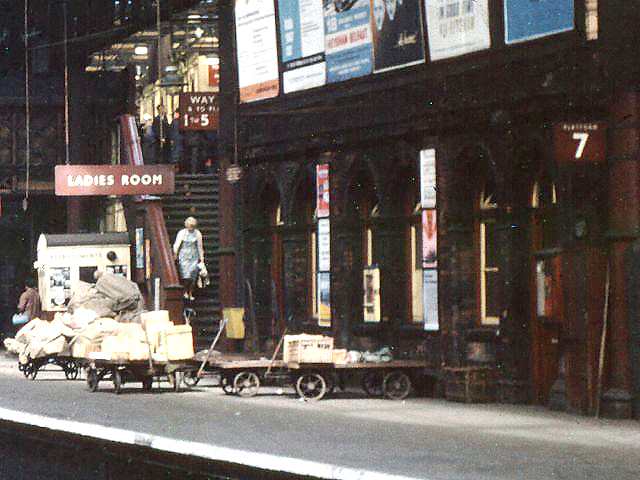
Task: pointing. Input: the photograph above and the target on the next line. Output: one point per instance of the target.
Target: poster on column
(324, 299)
(429, 238)
(428, 178)
(457, 27)
(371, 300)
(430, 299)
(256, 49)
(525, 19)
(322, 190)
(301, 44)
(324, 245)
(397, 34)
(348, 47)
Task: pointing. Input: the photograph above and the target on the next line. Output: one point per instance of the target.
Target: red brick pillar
(624, 225)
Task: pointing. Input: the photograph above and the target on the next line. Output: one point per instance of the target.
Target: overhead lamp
(212, 60)
(198, 32)
(141, 50)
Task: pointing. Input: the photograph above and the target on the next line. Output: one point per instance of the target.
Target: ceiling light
(141, 50)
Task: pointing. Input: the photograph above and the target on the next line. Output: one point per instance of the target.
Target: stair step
(197, 195)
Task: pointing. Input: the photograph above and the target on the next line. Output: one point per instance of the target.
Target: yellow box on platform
(178, 342)
(234, 317)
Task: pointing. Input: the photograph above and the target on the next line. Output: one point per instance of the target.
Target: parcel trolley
(123, 371)
(394, 379)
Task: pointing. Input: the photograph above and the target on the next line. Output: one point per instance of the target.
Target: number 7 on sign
(582, 138)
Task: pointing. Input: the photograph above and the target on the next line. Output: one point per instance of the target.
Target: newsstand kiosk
(65, 259)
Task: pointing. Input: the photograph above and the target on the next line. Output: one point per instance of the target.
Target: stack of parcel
(106, 321)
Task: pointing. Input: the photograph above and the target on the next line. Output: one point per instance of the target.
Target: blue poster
(348, 44)
(529, 19)
(302, 44)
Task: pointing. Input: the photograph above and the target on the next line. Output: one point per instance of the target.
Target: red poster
(322, 190)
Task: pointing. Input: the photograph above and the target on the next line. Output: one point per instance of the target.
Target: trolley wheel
(147, 383)
(92, 379)
(175, 379)
(191, 378)
(396, 385)
(311, 386)
(71, 370)
(116, 377)
(372, 383)
(246, 383)
(31, 370)
(227, 385)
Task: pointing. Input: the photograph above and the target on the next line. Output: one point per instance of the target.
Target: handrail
(162, 251)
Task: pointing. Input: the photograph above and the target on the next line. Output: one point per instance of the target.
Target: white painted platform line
(263, 461)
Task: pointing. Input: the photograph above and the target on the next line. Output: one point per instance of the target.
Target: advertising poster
(397, 33)
(430, 296)
(428, 178)
(526, 20)
(429, 238)
(322, 190)
(139, 247)
(59, 285)
(256, 49)
(302, 44)
(457, 27)
(324, 245)
(324, 299)
(371, 301)
(348, 47)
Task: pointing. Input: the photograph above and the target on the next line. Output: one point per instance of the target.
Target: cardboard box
(339, 355)
(140, 351)
(154, 319)
(178, 342)
(117, 347)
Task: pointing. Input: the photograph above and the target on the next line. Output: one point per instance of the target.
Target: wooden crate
(305, 348)
(470, 384)
(178, 342)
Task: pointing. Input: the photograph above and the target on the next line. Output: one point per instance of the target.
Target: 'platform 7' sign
(581, 142)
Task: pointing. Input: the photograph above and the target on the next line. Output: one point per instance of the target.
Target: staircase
(197, 196)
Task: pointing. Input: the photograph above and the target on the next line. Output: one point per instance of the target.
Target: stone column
(624, 225)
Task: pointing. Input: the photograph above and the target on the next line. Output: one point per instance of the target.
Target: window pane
(493, 294)
(492, 251)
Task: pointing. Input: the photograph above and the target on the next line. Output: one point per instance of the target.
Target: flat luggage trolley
(69, 365)
(127, 371)
(393, 379)
(312, 380)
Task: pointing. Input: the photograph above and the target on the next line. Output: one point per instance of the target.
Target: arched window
(488, 254)
(543, 200)
(362, 207)
(267, 263)
(303, 250)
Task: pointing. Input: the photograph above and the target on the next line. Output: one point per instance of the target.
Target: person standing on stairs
(188, 250)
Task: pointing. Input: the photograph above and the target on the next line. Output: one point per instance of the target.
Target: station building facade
(473, 202)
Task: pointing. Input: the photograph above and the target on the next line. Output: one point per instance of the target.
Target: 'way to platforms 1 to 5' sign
(71, 180)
